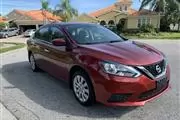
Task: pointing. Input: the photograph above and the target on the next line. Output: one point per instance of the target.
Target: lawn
(161, 35)
(6, 46)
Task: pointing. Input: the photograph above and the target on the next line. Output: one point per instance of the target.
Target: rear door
(39, 43)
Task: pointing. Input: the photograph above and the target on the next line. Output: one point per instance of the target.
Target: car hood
(128, 52)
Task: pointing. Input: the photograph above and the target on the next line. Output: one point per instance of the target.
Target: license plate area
(162, 83)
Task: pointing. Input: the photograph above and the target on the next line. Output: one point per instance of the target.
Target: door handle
(46, 50)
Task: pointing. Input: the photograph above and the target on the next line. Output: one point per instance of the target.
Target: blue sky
(83, 6)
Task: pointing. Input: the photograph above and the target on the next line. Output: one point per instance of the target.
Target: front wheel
(82, 89)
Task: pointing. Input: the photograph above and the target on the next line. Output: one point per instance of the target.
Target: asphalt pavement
(39, 96)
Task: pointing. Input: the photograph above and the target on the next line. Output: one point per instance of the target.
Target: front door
(57, 57)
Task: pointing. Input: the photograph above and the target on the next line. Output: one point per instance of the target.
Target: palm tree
(168, 7)
(45, 7)
(155, 5)
(65, 10)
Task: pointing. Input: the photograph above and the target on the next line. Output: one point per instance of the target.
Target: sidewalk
(5, 114)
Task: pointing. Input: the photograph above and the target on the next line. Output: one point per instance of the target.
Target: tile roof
(102, 11)
(39, 15)
(2, 19)
(125, 1)
(107, 9)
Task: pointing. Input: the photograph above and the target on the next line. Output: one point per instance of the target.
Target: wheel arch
(78, 68)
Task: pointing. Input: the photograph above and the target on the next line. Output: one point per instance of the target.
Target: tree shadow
(54, 94)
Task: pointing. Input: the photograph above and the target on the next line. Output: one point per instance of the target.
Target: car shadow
(54, 94)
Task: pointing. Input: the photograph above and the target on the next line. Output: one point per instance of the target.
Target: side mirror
(59, 42)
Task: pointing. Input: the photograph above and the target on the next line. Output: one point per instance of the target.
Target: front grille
(154, 70)
(161, 85)
(119, 97)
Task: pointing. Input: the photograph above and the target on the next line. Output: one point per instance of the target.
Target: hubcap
(81, 88)
(32, 62)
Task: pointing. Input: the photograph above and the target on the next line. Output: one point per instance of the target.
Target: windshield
(92, 34)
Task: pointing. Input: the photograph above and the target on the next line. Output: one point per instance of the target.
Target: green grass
(15, 46)
(161, 35)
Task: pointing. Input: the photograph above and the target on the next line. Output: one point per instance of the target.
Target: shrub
(3, 25)
(147, 28)
(112, 28)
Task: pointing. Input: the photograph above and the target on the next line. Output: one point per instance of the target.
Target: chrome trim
(149, 73)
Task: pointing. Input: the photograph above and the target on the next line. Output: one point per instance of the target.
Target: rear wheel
(82, 89)
(33, 63)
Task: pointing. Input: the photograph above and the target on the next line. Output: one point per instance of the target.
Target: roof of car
(67, 23)
(73, 23)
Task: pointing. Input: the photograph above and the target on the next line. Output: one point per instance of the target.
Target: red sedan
(99, 65)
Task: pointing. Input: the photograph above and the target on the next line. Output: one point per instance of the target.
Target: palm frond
(65, 10)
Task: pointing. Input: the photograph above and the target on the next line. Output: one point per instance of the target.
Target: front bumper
(129, 91)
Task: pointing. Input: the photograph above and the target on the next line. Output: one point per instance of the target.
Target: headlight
(165, 59)
(119, 69)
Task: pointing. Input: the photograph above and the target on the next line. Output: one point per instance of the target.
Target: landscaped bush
(112, 28)
(147, 28)
(3, 25)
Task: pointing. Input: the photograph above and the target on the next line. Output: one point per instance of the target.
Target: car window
(4, 31)
(43, 34)
(92, 34)
(11, 30)
(55, 33)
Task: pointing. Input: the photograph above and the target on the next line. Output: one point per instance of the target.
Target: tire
(6, 36)
(33, 63)
(84, 94)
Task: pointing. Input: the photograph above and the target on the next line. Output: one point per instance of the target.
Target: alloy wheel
(81, 88)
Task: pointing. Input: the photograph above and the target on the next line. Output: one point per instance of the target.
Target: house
(123, 13)
(3, 22)
(31, 19)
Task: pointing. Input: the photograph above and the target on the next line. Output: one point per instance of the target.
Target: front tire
(83, 89)
(33, 63)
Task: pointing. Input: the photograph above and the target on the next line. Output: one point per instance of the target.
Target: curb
(5, 114)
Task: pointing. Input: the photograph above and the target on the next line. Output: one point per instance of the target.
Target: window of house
(120, 8)
(143, 21)
(148, 21)
(139, 22)
(125, 8)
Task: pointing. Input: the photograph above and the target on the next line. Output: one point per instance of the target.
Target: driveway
(17, 39)
(39, 96)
